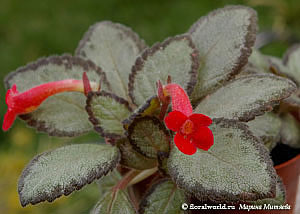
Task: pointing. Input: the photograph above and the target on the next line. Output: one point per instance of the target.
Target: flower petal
(200, 120)
(203, 138)
(180, 100)
(184, 145)
(8, 120)
(174, 120)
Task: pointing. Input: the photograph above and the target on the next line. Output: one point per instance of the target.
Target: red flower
(30, 100)
(192, 129)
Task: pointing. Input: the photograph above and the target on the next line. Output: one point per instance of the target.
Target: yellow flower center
(187, 127)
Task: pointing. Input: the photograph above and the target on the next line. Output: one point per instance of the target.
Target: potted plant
(192, 117)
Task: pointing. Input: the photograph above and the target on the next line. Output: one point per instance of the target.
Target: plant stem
(143, 175)
(123, 183)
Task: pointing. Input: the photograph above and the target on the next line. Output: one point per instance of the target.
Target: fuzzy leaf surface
(290, 131)
(246, 97)
(64, 170)
(175, 56)
(148, 136)
(222, 172)
(133, 159)
(224, 39)
(62, 114)
(113, 47)
(107, 111)
(267, 128)
(279, 198)
(163, 198)
(114, 204)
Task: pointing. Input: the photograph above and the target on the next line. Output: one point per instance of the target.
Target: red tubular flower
(30, 100)
(192, 130)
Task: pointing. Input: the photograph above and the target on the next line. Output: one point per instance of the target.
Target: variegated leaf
(114, 48)
(224, 39)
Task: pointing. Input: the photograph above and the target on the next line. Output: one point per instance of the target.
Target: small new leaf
(224, 39)
(176, 57)
(222, 173)
(113, 47)
(64, 170)
(148, 136)
(149, 108)
(132, 159)
(163, 198)
(62, 114)
(247, 97)
(107, 111)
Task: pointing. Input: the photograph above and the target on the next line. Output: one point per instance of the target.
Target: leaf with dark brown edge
(176, 57)
(148, 136)
(163, 198)
(221, 174)
(224, 39)
(62, 114)
(290, 131)
(130, 158)
(292, 61)
(114, 203)
(64, 170)
(162, 158)
(113, 47)
(267, 128)
(279, 198)
(149, 108)
(246, 97)
(106, 112)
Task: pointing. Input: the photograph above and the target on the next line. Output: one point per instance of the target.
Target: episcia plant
(187, 118)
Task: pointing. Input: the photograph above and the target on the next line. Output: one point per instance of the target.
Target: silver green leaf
(163, 198)
(130, 158)
(246, 97)
(267, 128)
(176, 57)
(222, 172)
(292, 61)
(148, 136)
(107, 111)
(224, 39)
(279, 198)
(64, 170)
(258, 61)
(114, 203)
(62, 114)
(290, 131)
(114, 48)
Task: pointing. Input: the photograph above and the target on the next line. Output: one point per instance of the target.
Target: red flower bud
(30, 100)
